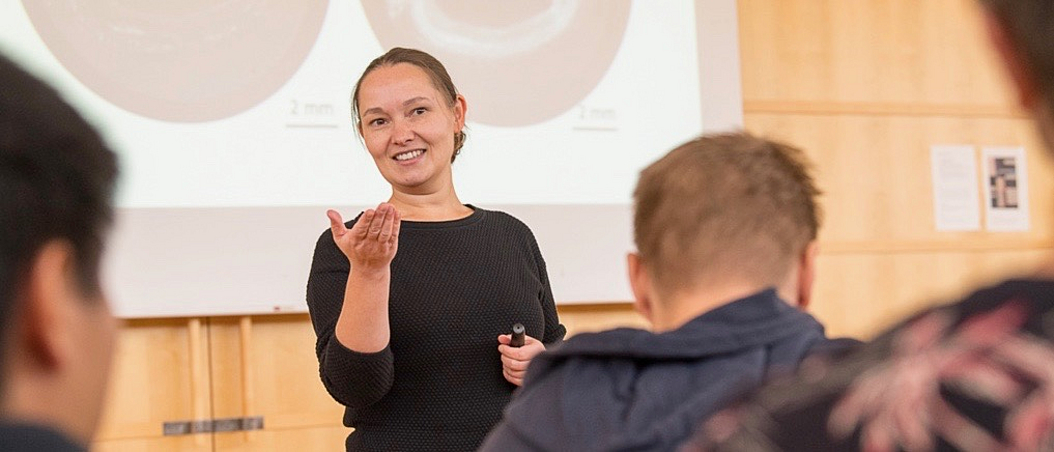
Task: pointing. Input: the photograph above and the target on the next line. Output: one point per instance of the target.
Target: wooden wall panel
(300, 439)
(160, 374)
(876, 175)
(865, 87)
(892, 52)
(858, 294)
(592, 318)
(266, 366)
(202, 443)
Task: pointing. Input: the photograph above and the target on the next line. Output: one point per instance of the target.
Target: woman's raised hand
(372, 242)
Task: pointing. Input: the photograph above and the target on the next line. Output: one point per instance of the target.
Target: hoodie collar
(758, 319)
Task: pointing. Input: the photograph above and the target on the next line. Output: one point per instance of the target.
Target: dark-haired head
(56, 180)
(56, 186)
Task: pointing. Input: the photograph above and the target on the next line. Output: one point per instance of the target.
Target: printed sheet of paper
(956, 201)
(1005, 185)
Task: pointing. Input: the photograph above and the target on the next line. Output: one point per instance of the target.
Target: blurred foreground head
(1022, 32)
(56, 187)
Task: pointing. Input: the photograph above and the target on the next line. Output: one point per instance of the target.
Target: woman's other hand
(514, 360)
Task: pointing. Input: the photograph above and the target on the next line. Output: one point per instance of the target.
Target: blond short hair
(722, 205)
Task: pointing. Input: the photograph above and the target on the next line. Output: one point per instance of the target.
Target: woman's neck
(441, 205)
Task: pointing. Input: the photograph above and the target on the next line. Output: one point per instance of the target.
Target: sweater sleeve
(354, 379)
(554, 331)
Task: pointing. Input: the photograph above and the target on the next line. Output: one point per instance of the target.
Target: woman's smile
(409, 157)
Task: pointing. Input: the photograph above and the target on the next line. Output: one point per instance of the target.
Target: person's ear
(47, 305)
(1017, 67)
(807, 273)
(460, 109)
(640, 283)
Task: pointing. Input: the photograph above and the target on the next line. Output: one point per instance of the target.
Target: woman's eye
(420, 110)
(377, 122)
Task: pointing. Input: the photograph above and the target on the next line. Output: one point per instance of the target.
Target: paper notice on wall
(956, 201)
(1005, 185)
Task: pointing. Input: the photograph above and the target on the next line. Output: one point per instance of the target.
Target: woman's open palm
(373, 241)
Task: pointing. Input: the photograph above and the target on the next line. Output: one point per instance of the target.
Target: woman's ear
(460, 109)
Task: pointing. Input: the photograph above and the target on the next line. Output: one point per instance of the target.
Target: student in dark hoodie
(725, 228)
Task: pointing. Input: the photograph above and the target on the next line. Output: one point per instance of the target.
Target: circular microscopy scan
(180, 61)
(518, 63)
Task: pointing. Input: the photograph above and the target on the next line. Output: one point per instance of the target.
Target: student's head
(435, 73)
(1022, 32)
(723, 214)
(56, 332)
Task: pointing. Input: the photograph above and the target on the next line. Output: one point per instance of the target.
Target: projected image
(185, 61)
(233, 124)
(520, 62)
(246, 103)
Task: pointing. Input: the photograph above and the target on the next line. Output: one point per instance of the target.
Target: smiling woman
(423, 283)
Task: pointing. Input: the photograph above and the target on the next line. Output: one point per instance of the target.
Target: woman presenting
(412, 301)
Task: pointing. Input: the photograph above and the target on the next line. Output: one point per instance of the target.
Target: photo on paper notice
(1006, 189)
(1002, 182)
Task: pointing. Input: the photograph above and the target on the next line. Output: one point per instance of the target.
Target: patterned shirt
(975, 375)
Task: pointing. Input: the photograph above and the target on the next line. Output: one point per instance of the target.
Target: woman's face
(408, 127)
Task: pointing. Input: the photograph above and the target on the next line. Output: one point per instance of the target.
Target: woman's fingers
(390, 228)
(336, 223)
(531, 348)
(395, 226)
(361, 227)
(372, 240)
(516, 360)
(516, 380)
(385, 233)
(377, 222)
(514, 365)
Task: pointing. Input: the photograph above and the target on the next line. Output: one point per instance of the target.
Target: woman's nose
(401, 132)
